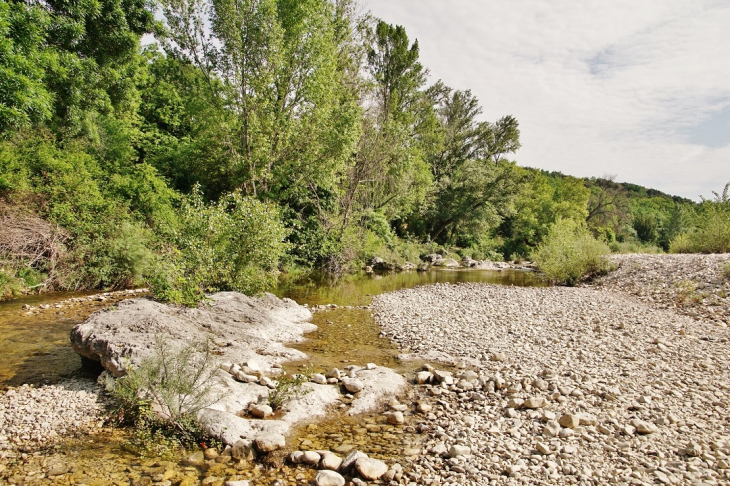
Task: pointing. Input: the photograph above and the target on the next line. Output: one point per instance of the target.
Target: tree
(462, 137)
(389, 174)
(478, 196)
(396, 70)
(545, 200)
(24, 97)
(474, 186)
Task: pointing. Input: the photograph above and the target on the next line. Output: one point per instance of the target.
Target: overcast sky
(638, 89)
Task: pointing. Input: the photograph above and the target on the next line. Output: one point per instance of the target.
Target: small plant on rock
(687, 293)
(162, 396)
(289, 387)
(726, 271)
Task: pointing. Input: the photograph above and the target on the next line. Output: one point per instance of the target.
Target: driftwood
(29, 241)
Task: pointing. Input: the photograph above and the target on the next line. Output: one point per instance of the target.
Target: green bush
(289, 387)
(646, 228)
(634, 246)
(682, 243)
(10, 286)
(726, 271)
(711, 233)
(162, 396)
(569, 253)
(234, 244)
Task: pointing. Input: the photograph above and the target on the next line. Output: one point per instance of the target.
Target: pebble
(39, 416)
(329, 478)
(269, 442)
(639, 383)
(331, 461)
(370, 468)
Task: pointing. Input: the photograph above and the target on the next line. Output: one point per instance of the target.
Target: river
(35, 349)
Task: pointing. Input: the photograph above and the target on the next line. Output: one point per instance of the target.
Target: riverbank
(575, 384)
(693, 285)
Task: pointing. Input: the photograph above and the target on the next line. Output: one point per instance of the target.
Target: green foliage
(310, 130)
(646, 228)
(634, 246)
(24, 98)
(394, 66)
(10, 285)
(289, 387)
(161, 397)
(711, 232)
(544, 200)
(687, 294)
(107, 214)
(569, 253)
(726, 271)
(235, 244)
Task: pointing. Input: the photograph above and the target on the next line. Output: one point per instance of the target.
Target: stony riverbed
(570, 384)
(625, 381)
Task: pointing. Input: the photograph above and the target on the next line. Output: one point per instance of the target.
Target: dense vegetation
(259, 135)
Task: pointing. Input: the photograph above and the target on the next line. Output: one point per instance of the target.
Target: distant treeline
(261, 135)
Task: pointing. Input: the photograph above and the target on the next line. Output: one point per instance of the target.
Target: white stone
(329, 478)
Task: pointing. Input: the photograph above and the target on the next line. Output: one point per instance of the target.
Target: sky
(635, 89)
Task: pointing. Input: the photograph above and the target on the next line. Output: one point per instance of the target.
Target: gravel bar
(36, 417)
(694, 285)
(571, 385)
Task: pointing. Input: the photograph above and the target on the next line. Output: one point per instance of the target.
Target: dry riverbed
(572, 385)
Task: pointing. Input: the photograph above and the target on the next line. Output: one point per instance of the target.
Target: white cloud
(598, 87)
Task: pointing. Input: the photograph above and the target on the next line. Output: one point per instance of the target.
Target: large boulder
(247, 335)
(378, 385)
(446, 262)
(236, 324)
(432, 258)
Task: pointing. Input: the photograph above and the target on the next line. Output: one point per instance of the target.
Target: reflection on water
(351, 335)
(358, 289)
(36, 349)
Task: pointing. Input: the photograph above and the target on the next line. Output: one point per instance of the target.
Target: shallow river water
(35, 349)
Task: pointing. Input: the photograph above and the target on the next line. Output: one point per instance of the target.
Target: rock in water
(331, 461)
(370, 468)
(329, 478)
(245, 323)
(262, 411)
(242, 450)
(269, 442)
(195, 459)
(396, 418)
(310, 457)
(349, 461)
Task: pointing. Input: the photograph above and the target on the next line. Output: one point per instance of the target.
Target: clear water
(35, 348)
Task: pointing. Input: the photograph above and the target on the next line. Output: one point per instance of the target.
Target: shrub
(712, 228)
(234, 244)
(646, 227)
(10, 286)
(687, 293)
(162, 396)
(682, 243)
(288, 387)
(569, 253)
(634, 246)
(726, 271)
